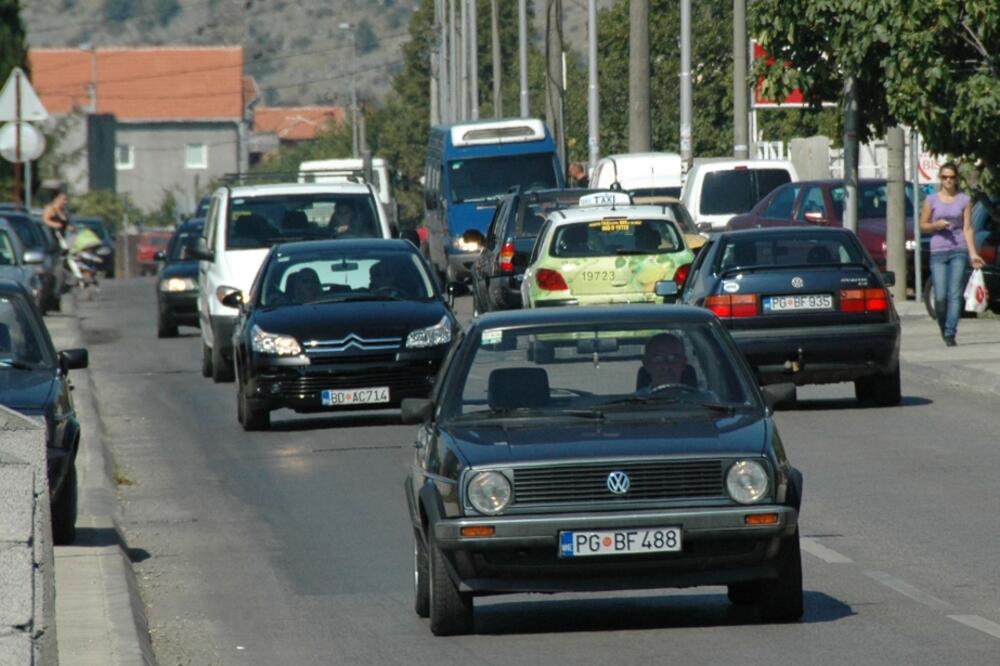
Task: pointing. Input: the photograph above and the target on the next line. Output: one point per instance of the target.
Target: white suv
(715, 190)
(244, 222)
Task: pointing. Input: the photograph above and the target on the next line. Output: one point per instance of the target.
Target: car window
(594, 366)
(615, 236)
(542, 235)
(497, 223)
(27, 231)
(683, 217)
(486, 178)
(263, 221)
(21, 337)
(182, 244)
(768, 180)
(780, 206)
(727, 193)
(812, 204)
(789, 250)
(8, 256)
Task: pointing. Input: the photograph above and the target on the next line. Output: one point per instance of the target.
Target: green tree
(118, 11)
(13, 53)
(166, 11)
(365, 37)
(934, 66)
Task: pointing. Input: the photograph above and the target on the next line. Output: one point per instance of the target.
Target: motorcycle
(85, 260)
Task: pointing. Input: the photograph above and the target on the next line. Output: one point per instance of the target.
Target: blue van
(469, 167)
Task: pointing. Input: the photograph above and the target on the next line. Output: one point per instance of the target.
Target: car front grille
(648, 481)
(413, 377)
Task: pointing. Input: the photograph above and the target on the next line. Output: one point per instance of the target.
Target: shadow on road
(338, 421)
(851, 403)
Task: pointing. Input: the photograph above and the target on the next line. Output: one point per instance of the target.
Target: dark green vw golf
(641, 454)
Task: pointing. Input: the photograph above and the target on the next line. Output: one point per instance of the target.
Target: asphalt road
(292, 546)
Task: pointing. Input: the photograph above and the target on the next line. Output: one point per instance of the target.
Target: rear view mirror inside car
(343, 266)
(596, 345)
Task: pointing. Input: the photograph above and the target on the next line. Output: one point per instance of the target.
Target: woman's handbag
(976, 295)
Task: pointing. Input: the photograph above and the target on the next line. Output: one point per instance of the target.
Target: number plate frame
(638, 541)
(825, 306)
(371, 395)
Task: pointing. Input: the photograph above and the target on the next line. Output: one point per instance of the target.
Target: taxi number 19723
(597, 276)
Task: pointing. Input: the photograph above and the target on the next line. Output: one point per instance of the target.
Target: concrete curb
(102, 618)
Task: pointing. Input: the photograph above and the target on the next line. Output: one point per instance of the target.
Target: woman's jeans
(947, 273)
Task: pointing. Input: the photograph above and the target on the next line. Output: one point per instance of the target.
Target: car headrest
(510, 388)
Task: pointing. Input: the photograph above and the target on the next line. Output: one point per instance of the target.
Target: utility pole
(850, 154)
(687, 149)
(464, 58)
(553, 76)
(593, 108)
(444, 61)
(918, 258)
(895, 214)
(355, 150)
(522, 41)
(741, 148)
(453, 87)
(638, 77)
(473, 62)
(495, 30)
(435, 82)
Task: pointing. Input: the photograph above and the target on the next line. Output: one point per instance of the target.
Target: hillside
(295, 50)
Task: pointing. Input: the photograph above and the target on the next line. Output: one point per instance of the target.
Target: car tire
(64, 511)
(222, 370)
(206, 360)
(781, 598)
(450, 611)
(421, 585)
(249, 417)
(881, 390)
(744, 594)
(165, 329)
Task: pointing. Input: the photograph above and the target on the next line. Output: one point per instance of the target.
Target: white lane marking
(908, 590)
(817, 549)
(980, 623)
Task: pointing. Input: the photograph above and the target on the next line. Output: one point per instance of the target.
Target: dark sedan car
(642, 457)
(499, 269)
(338, 325)
(805, 305)
(41, 254)
(177, 283)
(34, 381)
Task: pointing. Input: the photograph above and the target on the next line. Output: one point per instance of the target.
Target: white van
(642, 174)
(717, 189)
(341, 170)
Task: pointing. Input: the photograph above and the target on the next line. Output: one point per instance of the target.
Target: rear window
(790, 250)
(613, 236)
(260, 222)
(737, 191)
(533, 213)
(28, 232)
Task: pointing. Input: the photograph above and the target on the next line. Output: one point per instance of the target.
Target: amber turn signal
(761, 519)
(479, 531)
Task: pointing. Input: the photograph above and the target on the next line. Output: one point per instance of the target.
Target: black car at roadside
(41, 253)
(34, 380)
(499, 269)
(644, 456)
(177, 282)
(338, 325)
(805, 305)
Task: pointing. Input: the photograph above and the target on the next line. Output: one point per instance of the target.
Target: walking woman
(947, 217)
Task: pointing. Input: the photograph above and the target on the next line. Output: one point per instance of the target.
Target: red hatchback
(151, 242)
(821, 203)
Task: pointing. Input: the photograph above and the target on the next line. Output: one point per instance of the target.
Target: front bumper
(180, 307)
(523, 555)
(820, 354)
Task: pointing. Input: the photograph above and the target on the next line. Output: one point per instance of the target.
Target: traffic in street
(294, 546)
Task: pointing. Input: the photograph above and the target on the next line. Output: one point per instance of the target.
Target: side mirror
(202, 251)
(667, 290)
(430, 200)
(814, 217)
(778, 395)
(73, 359)
(230, 297)
(889, 278)
(34, 257)
(416, 410)
(160, 256)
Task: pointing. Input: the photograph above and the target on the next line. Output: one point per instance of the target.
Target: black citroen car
(805, 305)
(643, 456)
(34, 381)
(338, 325)
(177, 282)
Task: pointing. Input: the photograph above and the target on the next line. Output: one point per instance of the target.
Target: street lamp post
(92, 85)
(354, 89)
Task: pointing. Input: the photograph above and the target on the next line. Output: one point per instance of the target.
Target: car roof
(11, 288)
(790, 230)
(340, 187)
(594, 213)
(389, 244)
(600, 314)
(832, 181)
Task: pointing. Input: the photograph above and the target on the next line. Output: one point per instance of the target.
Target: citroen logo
(618, 482)
(797, 282)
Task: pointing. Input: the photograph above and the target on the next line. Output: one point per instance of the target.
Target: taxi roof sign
(606, 199)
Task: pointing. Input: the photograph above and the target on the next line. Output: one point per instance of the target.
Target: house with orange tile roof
(181, 114)
(277, 126)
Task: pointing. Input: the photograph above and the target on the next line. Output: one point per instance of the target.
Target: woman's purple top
(952, 238)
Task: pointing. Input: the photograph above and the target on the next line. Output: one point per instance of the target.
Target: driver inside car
(386, 277)
(664, 362)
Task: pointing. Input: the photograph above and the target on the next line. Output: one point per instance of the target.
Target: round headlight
(746, 481)
(489, 492)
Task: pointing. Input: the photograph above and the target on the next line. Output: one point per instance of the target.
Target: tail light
(550, 280)
(681, 274)
(988, 252)
(864, 300)
(732, 305)
(507, 257)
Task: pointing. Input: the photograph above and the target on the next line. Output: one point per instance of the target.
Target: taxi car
(562, 476)
(605, 251)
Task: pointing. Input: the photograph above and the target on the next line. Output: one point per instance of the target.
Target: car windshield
(486, 178)
(797, 248)
(263, 221)
(182, 244)
(30, 234)
(611, 236)
(22, 345)
(596, 371)
(344, 275)
(736, 191)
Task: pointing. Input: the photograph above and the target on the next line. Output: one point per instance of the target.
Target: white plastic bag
(975, 292)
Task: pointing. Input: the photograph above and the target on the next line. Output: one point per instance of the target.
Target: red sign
(793, 98)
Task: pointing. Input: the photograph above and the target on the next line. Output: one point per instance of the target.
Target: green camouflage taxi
(605, 254)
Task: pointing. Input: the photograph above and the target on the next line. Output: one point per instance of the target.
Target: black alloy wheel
(222, 370)
(250, 417)
(451, 611)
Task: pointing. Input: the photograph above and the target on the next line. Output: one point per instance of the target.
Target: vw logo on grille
(797, 282)
(618, 483)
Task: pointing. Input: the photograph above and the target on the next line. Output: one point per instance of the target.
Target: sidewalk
(99, 614)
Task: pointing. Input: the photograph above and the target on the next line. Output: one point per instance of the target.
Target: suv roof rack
(290, 177)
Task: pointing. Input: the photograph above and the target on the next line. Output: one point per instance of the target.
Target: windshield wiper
(357, 297)
(18, 365)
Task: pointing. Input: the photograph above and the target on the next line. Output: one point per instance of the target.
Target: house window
(196, 156)
(124, 156)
